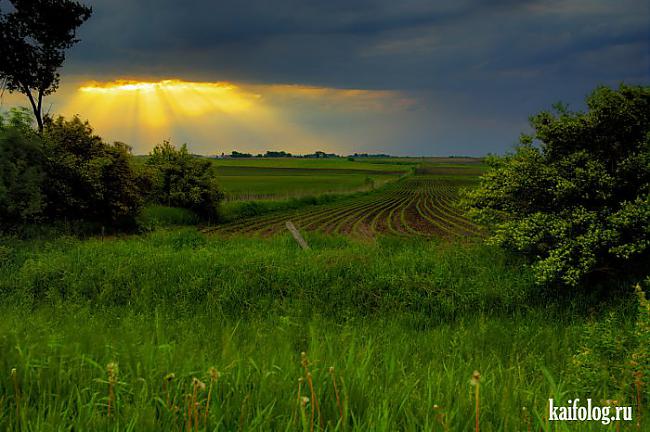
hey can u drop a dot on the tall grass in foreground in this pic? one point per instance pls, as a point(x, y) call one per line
point(239, 277)
point(176, 331)
point(389, 376)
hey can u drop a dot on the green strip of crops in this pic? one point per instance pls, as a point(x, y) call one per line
point(403, 324)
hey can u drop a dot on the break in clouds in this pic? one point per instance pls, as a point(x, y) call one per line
point(446, 77)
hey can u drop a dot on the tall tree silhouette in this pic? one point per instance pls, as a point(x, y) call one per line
point(34, 35)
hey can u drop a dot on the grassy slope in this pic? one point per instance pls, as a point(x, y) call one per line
point(404, 323)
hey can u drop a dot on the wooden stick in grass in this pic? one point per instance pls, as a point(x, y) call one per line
point(296, 235)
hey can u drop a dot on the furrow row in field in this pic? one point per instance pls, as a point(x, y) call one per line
point(313, 219)
point(259, 222)
point(363, 225)
point(452, 216)
point(412, 207)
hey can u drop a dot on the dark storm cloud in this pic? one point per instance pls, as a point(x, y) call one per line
point(497, 61)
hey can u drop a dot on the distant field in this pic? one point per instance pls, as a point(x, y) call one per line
point(250, 179)
point(426, 159)
point(245, 179)
point(424, 204)
point(256, 187)
point(418, 206)
point(281, 178)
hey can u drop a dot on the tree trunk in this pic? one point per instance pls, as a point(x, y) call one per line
point(39, 116)
point(36, 108)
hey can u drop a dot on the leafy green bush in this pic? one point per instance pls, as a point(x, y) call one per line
point(575, 195)
point(88, 179)
point(182, 180)
point(21, 177)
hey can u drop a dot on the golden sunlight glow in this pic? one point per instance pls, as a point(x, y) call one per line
point(149, 111)
point(215, 115)
point(193, 98)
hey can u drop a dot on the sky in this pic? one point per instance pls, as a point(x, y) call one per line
point(407, 77)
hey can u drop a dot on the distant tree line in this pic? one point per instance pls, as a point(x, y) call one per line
point(277, 154)
point(236, 154)
point(315, 155)
point(366, 155)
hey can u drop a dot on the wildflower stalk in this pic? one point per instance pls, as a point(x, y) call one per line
point(441, 417)
point(14, 378)
point(300, 380)
point(476, 382)
point(166, 382)
point(526, 418)
point(304, 400)
point(336, 392)
point(315, 407)
point(111, 370)
point(214, 377)
point(194, 405)
point(188, 417)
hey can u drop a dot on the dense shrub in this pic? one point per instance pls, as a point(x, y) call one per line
point(182, 180)
point(65, 173)
point(21, 177)
point(575, 195)
point(86, 178)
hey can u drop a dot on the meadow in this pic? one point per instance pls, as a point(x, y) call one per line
point(175, 291)
point(398, 317)
point(114, 334)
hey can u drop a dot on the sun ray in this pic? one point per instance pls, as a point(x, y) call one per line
point(214, 115)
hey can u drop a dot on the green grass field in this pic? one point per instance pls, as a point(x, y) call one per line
point(403, 324)
point(395, 305)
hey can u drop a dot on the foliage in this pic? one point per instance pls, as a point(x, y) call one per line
point(182, 180)
point(88, 179)
point(65, 173)
point(277, 154)
point(575, 195)
point(21, 174)
point(17, 118)
point(236, 154)
point(33, 40)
